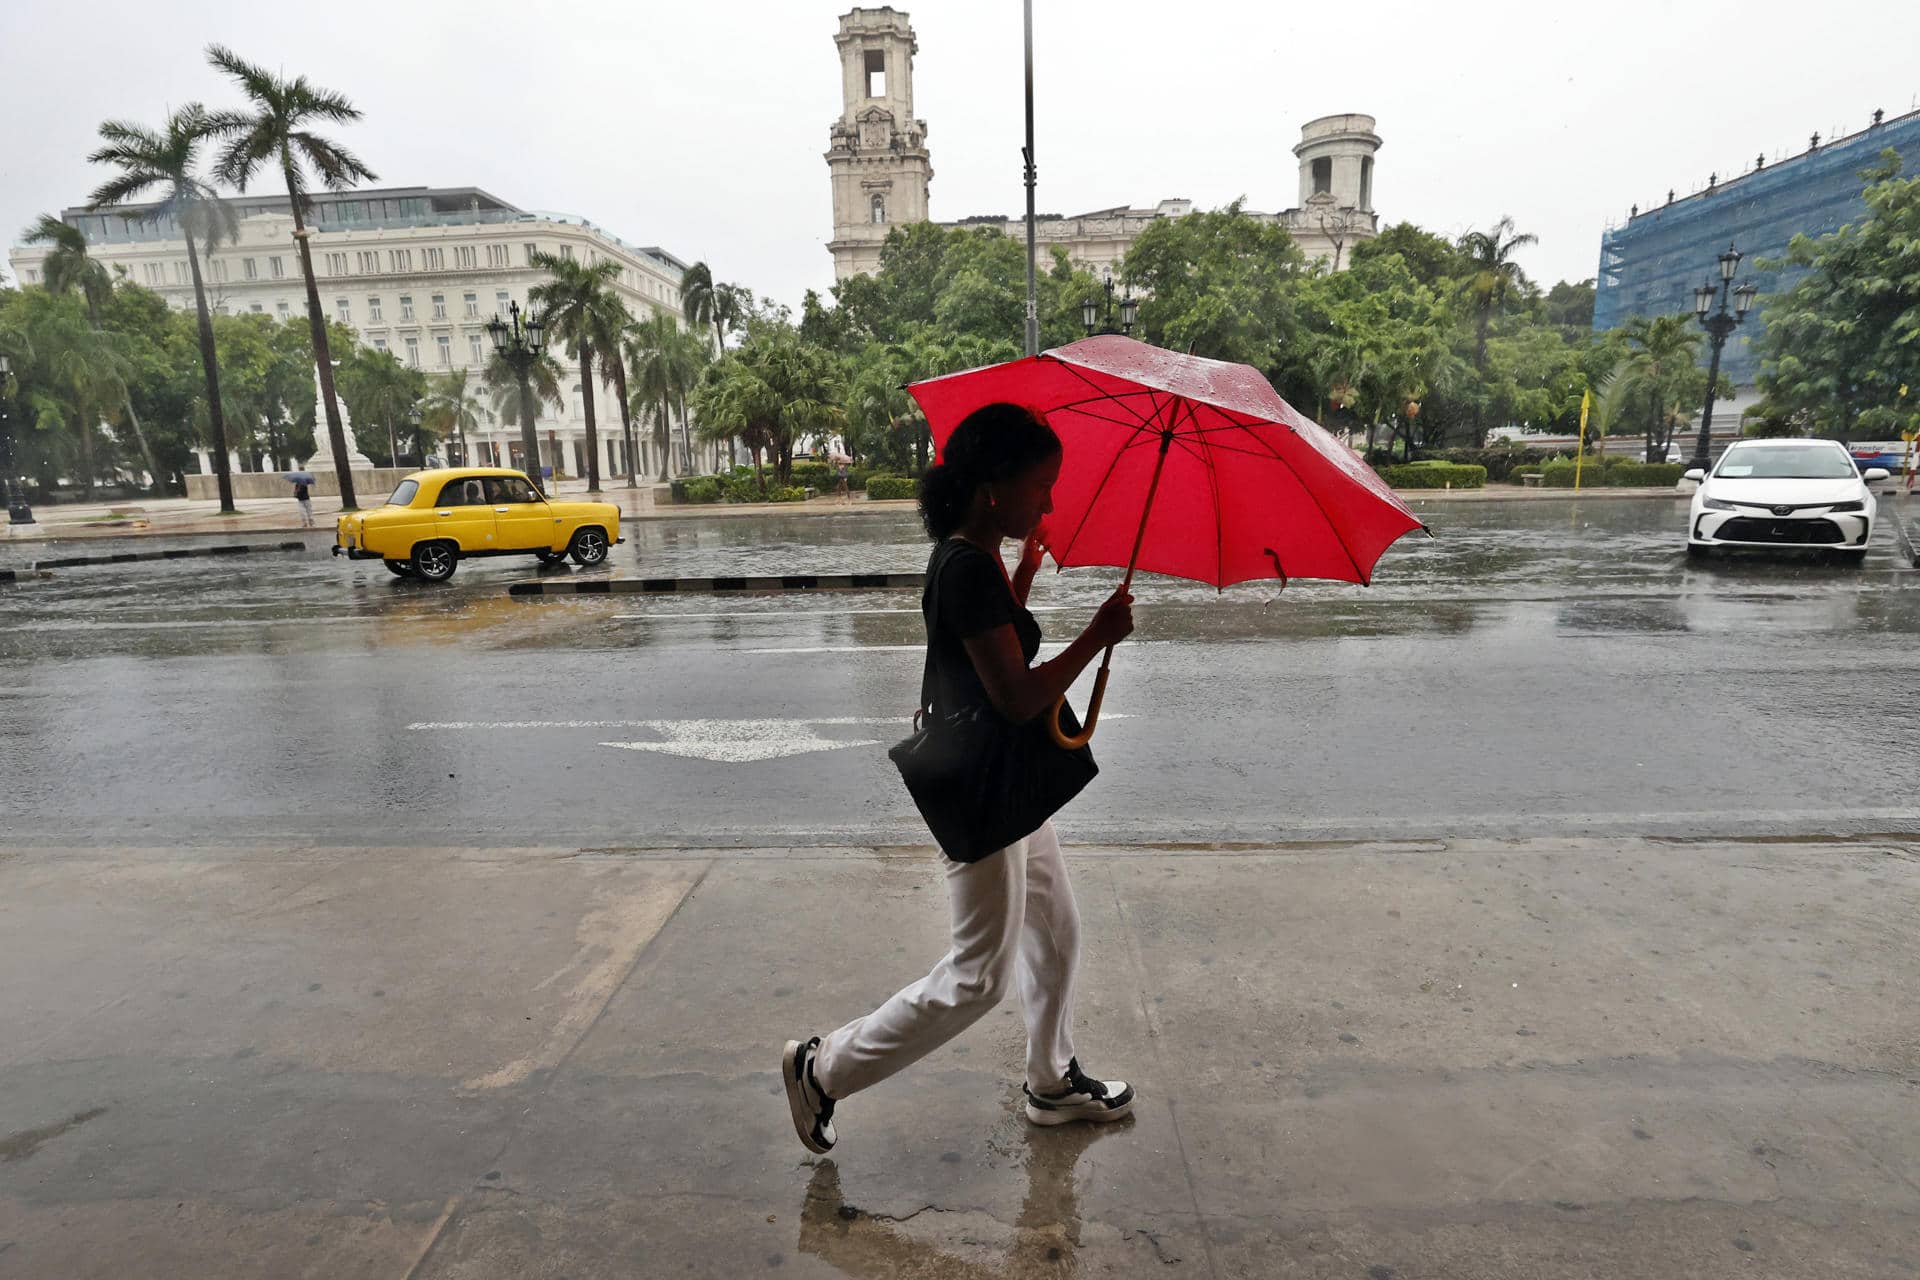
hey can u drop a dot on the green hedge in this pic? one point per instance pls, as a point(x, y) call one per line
point(701, 490)
point(1647, 475)
point(883, 488)
point(817, 474)
point(1434, 475)
point(787, 493)
point(1501, 462)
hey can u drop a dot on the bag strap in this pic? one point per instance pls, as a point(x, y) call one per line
point(925, 709)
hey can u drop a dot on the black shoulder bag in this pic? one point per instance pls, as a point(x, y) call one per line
point(980, 781)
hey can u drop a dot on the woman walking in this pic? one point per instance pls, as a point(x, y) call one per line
point(1015, 924)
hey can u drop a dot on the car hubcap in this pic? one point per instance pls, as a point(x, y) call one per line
point(433, 562)
point(592, 546)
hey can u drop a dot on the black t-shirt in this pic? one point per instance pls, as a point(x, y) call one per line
point(967, 593)
point(300, 493)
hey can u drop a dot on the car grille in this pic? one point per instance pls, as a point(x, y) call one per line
point(1803, 532)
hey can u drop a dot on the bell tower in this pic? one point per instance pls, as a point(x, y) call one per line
point(877, 152)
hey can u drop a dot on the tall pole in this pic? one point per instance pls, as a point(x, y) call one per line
point(1703, 447)
point(13, 496)
point(1033, 300)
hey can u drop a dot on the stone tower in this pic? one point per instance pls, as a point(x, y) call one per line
point(1336, 186)
point(877, 152)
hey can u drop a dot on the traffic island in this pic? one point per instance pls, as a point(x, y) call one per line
point(723, 586)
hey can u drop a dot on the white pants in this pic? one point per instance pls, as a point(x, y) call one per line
point(1014, 920)
point(306, 513)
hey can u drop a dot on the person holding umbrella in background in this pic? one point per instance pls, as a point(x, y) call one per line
point(1015, 923)
point(303, 495)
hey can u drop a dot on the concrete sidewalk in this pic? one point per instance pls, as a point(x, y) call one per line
point(1382, 1061)
point(174, 517)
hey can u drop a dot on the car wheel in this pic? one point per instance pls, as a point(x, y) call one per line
point(589, 547)
point(550, 557)
point(435, 561)
point(399, 568)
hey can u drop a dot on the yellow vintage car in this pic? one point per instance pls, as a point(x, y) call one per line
point(436, 519)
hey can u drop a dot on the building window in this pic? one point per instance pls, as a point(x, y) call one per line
point(277, 268)
point(413, 353)
point(369, 262)
point(336, 264)
point(876, 69)
point(399, 259)
point(497, 255)
point(29, 275)
point(445, 343)
point(373, 311)
point(250, 268)
point(436, 259)
point(464, 257)
point(566, 251)
point(345, 309)
point(878, 208)
point(180, 273)
point(531, 250)
point(1323, 176)
point(256, 308)
point(152, 269)
point(379, 344)
point(500, 303)
point(439, 306)
point(220, 270)
point(473, 305)
point(1366, 182)
point(406, 307)
point(280, 309)
point(473, 348)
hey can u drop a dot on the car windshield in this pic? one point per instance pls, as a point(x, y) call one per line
point(1789, 462)
point(404, 493)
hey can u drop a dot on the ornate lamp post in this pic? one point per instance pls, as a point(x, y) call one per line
point(1090, 313)
point(1718, 324)
point(18, 512)
point(520, 343)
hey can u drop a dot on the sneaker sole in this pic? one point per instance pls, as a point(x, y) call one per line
point(1101, 1115)
point(790, 1063)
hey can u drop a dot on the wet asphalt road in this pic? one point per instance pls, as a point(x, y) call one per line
point(1536, 669)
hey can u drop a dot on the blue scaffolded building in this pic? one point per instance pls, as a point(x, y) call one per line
point(1651, 265)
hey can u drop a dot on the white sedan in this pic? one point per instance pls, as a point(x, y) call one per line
point(1783, 493)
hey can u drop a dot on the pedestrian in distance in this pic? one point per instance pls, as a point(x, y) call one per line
point(302, 496)
point(841, 486)
point(1015, 924)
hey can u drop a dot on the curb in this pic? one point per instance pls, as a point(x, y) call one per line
point(175, 553)
point(1903, 534)
point(670, 586)
point(22, 575)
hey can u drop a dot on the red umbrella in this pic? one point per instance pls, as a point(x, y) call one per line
point(1185, 466)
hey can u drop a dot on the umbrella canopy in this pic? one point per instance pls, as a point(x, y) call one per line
point(299, 477)
point(1249, 486)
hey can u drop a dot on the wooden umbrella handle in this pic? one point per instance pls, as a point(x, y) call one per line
point(1081, 739)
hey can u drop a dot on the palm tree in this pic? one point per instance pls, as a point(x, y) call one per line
point(705, 303)
point(509, 406)
point(383, 389)
point(276, 131)
point(167, 160)
point(733, 401)
point(665, 362)
point(1660, 348)
point(609, 321)
point(453, 404)
point(69, 267)
point(580, 307)
point(1491, 276)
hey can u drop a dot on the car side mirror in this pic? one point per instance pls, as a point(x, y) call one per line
point(1874, 473)
point(1694, 474)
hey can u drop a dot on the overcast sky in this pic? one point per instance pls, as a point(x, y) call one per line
point(700, 127)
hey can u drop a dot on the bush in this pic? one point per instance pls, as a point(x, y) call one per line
point(1628, 474)
point(701, 490)
point(884, 488)
point(1500, 462)
point(817, 474)
point(1434, 474)
point(785, 493)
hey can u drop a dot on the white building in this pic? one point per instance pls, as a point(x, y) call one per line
point(880, 169)
point(414, 270)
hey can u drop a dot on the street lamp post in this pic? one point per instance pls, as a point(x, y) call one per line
point(1719, 324)
point(1092, 316)
point(520, 342)
point(18, 512)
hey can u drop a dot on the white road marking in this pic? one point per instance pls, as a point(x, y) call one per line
point(631, 724)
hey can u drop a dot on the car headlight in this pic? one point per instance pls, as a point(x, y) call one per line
point(1714, 504)
point(1848, 506)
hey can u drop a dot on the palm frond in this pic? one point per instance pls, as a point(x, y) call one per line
point(256, 81)
point(337, 167)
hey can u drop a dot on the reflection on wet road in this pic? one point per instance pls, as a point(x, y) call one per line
point(1535, 667)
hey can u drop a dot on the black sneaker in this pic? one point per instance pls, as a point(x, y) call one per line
point(1080, 1098)
point(812, 1109)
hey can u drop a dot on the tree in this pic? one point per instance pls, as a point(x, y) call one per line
point(1841, 349)
point(1491, 278)
point(453, 406)
point(664, 365)
point(1432, 260)
point(703, 301)
point(69, 266)
point(1661, 361)
point(733, 402)
point(168, 160)
point(278, 132)
point(511, 407)
point(581, 310)
point(1220, 284)
point(378, 388)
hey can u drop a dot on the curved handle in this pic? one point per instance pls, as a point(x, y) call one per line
point(1081, 739)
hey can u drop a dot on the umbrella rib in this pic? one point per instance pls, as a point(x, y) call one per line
point(1365, 578)
point(1219, 514)
point(1094, 498)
